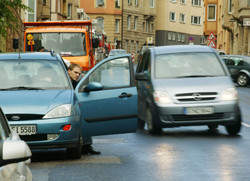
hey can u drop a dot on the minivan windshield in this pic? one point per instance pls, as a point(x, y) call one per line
point(65, 44)
point(32, 75)
point(179, 65)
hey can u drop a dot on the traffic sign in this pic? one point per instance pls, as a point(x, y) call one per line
point(212, 44)
point(211, 36)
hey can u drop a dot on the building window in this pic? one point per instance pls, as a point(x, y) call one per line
point(211, 13)
point(135, 22)
point(179, 37)
point(195, 20)
point(131, 46)
point(173, 36)
point(173, 1)
point(230, 6)
point(31, 15)
point(196, 2)
point(136, 46)
point(136, 2)
point(69, 11)
point(44, 2)
point(117, 3)
point(169, 35)
point(117, 25)
point(182, 37)
point(128, 21)
point(182, 18)
point(172, 16)
point(202, 39)
point(129, 2)
point(183, 1)
point(100, 3)
point(59, 6)
point(100, 23)
point(147, 26)
point(152, 27)
point(151, 3)
point(126, 45)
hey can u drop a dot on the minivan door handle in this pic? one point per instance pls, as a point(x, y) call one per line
point(124, 94)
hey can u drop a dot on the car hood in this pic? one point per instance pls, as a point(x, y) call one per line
point(33, 102)
point(189, 85)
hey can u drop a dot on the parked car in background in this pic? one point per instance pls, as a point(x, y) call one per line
point(14, 154)
point(185, 86)
point(239, 68)
point(114, 52)
point(43, 108)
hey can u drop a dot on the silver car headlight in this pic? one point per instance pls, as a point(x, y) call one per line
point(59, 111)
point(229, 94)
point(162, 97)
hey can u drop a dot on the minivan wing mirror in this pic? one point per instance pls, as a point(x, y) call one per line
point(13, 151)
point(93, 86)
point(141, 76)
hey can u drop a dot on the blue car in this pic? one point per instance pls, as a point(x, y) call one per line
point(43, 108)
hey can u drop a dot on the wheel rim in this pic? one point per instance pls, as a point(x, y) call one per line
point(242, 80)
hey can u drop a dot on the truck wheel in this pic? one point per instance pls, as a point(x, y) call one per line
point(152, 127)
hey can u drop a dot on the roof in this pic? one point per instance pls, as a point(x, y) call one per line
point(181, 48)
point(29, 55)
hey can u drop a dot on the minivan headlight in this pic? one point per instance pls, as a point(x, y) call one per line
point(59, 111)
point(162, 97)
point(229, 94)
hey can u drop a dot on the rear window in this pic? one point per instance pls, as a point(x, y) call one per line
point(187, 64)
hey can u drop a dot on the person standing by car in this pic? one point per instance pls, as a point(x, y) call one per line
point(74, 71)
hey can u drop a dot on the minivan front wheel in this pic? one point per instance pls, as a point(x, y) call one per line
point(243, 80)
point(235, 128)
point(152, 127)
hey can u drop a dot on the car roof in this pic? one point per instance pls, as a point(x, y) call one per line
point(118, 50)
point(181, 48)
point(29, 55)
point(246, 58)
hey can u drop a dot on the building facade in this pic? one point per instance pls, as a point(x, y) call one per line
point(179, 22)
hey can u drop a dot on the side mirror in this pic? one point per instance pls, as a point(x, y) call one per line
point(93, 86)
point(13, 151)
point(95, 42)
point(141, 76)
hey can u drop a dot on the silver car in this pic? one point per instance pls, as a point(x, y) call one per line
point(186, 85)
point(14, 154)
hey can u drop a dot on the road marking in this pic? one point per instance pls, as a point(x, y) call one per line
point(247, 125)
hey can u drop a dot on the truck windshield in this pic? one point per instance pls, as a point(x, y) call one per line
point(66, 44)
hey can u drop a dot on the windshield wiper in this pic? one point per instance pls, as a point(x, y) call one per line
point(22, 88)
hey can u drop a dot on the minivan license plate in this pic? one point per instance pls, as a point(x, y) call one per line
point(198, 110)
point(24, 129)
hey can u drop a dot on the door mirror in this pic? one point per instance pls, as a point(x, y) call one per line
point(93, 86)
point(14, 151)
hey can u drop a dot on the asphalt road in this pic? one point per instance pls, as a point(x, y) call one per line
point(185, 153)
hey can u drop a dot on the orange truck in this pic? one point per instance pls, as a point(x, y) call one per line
point(71, 39)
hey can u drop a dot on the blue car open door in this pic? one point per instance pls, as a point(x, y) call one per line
point(107, 98)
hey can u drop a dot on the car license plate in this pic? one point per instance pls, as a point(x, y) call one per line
point(24, 129)
point(198, 110)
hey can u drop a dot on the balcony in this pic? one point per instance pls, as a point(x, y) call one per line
point(244, 9)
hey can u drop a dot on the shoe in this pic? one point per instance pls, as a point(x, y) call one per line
point(88, 149)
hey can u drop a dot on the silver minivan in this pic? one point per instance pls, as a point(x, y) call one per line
point(186, 85)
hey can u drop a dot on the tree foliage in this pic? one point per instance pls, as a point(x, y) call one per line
point(9, 15)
